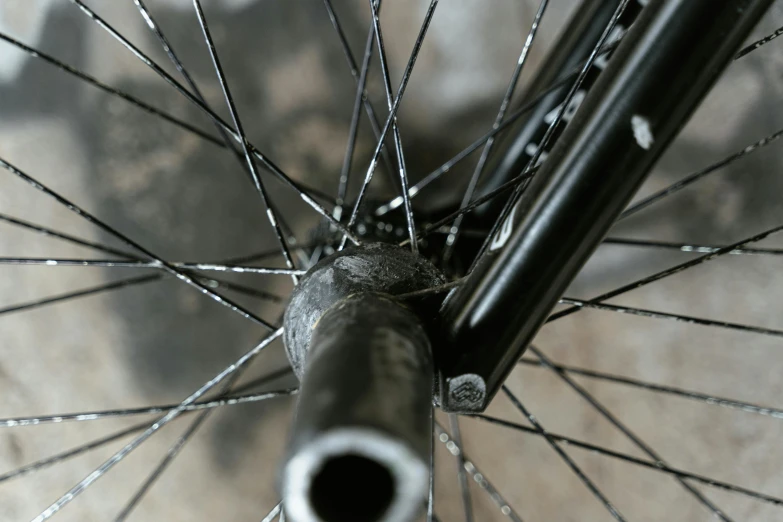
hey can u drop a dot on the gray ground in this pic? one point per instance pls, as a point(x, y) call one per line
point(187, 200)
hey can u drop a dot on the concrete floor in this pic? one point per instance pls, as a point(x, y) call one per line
point(157, 342)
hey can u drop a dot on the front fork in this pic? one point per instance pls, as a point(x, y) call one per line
point(659, 73)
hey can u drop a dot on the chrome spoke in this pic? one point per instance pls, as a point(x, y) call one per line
point(758, 43)
point(549, 134)
point(179, 274)
point(668, 272)
point(776, 413)
point(211, 282)
point(65, 237)
point(508, 121)
point(361, 99)
point(635, 460)
point(135, 281)
point(696, 176)
point(439, 289)
point(516, 181)
point(136, 442)
point(173, 451)
point(395, 128)
point(476, 474)
point(478, 171)
point(431, 491)
point(80, 75)
point(152, 24)
point(146, 410)
point(84, 448)
point(111, 263)
point(630, 435)
point(392, 112)
point(641, 312)
point(115, 285)
point(251, 163)
point(277, 510)
point(467, 504)
point(272, 167)
point(689, 247)
point(563, 455)
point(68, 454)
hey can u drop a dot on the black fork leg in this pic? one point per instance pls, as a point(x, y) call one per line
point(660, 72)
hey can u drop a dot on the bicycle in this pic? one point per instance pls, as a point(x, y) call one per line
point(468, 378)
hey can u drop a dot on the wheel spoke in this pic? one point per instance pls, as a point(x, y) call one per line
point(236, 261)
point(674, 317)
point(514, 116)
point(689, 247)
point(635, 460)
point(136, 442)
point(84, 448)
point(116, 285)
point(68, 454)
point(152, 24)
point(395, 128)
point(305, 192)
point(563, 455)
point(135, 281)
point(439, 289)
point(179, 274)
point(111, 263)
point(467, 504)
point(65, 237)
point(478, 477)
point(431, 489)
point(478, 171)
point(353, 132)
point(277, 510)
point(659, 388)
point(361, 99)
point(173, 451)
point(265, 254)
point(393, 111)
point(502, 189)
point(35, 53)
point(152, 410)
point(696, 176)
point(155, 28)
point(244, 290)
point(251, 164)
point(446, 167)
point(210, 113)
point(630, 435)
point(758, 43)
point(666, 273)
point(211, 282)
point(549, 134)
point(146, 410)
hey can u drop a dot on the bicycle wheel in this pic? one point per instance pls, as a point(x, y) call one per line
point(140, 336)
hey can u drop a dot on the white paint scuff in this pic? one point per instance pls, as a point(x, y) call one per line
point(642, 132)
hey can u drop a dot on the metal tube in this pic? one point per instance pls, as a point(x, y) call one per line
point(663, 67)
point(360, 445)
point(575, 43)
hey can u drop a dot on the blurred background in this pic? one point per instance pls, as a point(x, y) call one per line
point(186, 199)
